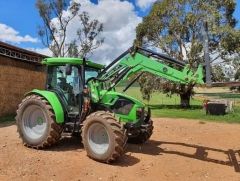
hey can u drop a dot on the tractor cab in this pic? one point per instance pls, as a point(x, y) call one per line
point(66, 77)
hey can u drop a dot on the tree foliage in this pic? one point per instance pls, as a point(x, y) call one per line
point(176, 27)
point(57, 16)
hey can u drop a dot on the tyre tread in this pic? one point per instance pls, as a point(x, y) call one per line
point(118, 131)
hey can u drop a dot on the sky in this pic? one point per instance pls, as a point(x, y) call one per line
point(19, 20)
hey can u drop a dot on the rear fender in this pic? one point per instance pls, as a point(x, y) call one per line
point(53, 100)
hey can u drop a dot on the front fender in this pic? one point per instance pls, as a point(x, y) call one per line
point(52, 98)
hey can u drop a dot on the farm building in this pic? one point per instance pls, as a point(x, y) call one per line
point(20, 71)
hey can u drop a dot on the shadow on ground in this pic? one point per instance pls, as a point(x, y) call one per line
point(153, 147)
point(68, 143)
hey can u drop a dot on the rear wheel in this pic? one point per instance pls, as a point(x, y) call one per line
point(36, 123)
point(144, 134)
point(104, 137)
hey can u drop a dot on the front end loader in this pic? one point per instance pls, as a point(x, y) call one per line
point(80, 98)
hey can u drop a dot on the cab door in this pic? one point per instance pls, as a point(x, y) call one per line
point(65, 81)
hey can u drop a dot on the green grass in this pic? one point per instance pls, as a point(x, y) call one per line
point(165, 106)
point(195, 113)
point(7, 120)
point(158, 98)
point(222, 95)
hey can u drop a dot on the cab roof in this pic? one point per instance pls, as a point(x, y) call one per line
point(72, 61)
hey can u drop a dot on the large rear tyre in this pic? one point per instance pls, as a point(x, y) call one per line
point(144, 134)
point(36, 123)
point(103, 136)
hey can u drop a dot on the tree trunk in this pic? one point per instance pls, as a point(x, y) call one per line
point(185, 100)
point(185, 97)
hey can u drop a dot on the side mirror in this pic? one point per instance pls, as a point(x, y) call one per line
point(68, 69)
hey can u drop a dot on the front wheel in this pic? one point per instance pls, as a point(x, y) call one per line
point(103, 136)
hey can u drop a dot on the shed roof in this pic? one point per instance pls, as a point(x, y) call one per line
point(20, 54)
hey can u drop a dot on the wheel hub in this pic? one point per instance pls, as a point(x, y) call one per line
point(34, 122)
point(98, 138)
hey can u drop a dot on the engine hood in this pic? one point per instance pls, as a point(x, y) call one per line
point(109, 96)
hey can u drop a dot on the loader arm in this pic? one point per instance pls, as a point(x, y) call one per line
point(138, 60)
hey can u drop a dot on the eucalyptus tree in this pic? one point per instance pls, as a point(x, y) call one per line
point(177, 28)
point(57, 15)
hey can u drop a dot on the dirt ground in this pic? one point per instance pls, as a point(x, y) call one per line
point(178, 150)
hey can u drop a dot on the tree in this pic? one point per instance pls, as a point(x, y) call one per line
point(57, 16)
point(237, 75)
point(218, 74)
point(176, 27)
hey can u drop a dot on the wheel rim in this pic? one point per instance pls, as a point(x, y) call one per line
point(34, 122)
point(98, 138)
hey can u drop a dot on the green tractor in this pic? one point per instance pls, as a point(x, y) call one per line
point(80, 98)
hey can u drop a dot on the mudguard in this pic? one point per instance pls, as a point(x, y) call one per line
point(52, 98)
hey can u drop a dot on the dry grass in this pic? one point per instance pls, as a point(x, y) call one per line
point(212, 90)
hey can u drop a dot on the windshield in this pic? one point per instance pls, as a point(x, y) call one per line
point(90, 72)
